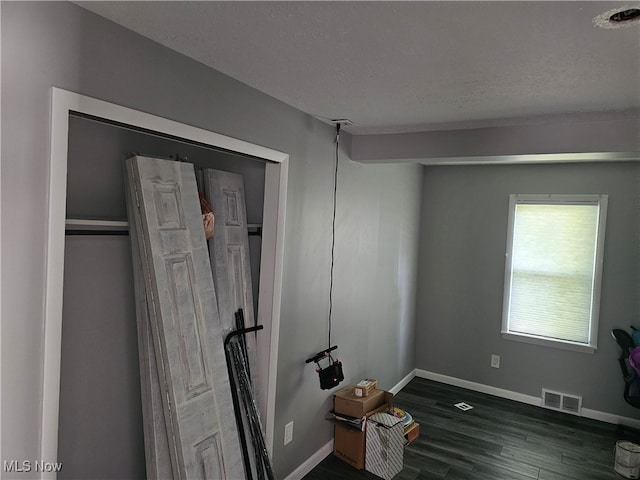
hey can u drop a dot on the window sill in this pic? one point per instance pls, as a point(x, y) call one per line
point(545, 342)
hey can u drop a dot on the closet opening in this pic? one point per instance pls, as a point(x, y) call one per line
point(91, 373)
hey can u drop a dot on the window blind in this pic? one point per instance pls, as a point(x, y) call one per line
point(552, 273)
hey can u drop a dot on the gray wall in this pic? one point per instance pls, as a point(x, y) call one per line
point(461, 279)
point(59, 44)
point(377, 226)
point(100, 434)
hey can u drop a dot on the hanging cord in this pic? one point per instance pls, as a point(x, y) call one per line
point(333, 230)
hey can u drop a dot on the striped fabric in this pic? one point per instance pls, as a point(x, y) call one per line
point(385, 445)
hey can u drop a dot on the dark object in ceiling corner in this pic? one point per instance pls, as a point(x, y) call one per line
point(628, 15)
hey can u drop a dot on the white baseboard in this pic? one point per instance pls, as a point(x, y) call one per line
point(611, 418)
point(520, 397)
point(311, 462)
point(403, 383)
point(478, 387)
point(321, 454)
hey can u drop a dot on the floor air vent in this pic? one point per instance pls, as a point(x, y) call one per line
point(562, 402)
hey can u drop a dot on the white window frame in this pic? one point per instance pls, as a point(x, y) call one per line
point(548, 199)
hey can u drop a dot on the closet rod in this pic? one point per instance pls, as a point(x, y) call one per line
point(85, 226)
point(254, 229)
point(96, 232)
point(81, 226)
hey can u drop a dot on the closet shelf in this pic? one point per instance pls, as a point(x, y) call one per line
point(92, 226)
point(91, 223)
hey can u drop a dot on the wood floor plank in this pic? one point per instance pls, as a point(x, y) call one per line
point(498, 439)
point(532, 456)
point(469, 424)
point(420, 458)
point(578, 474)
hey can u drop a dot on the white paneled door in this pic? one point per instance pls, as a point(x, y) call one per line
point(186, 331)
point(230, 246)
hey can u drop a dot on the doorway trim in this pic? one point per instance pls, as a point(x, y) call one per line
point(63, 103)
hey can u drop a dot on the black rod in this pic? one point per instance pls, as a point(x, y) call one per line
point(243, 342)
point(96, 232)
point(260, 449)
point(234, 395)
point(242, 331)
point(320, 355)
point(237, 414)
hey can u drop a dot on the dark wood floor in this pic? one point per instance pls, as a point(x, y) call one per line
point(498, 440)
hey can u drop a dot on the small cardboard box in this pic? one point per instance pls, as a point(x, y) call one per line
point(385, 446)
point(412, 432)
point(349, 443)
point(346, 402)
point(365, 387)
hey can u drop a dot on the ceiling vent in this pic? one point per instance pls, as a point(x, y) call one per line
point(562, 402)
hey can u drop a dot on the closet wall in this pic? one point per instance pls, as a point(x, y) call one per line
point(100, 433)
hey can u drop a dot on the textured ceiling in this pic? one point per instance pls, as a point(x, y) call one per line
point(408, 66)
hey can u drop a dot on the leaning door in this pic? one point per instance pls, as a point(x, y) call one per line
point(185, 325)
point(230, 246)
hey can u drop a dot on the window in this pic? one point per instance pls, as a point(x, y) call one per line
point(553, 270)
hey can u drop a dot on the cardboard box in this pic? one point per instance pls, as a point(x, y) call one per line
point(346, 402)
point(412, 432)
point(385, 446)
point(349, 443)
point(365, 387)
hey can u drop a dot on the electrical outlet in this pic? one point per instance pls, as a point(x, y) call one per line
point(288, 433)
point(495, 361)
